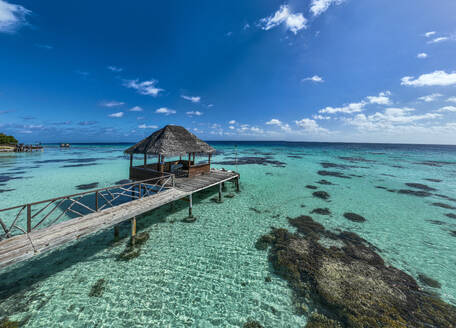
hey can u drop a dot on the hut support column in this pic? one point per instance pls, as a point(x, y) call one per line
point(133, 230)
point(162, 164)
point(131, 160)
point(116, 232)
point(237, 184)
point(220, 193)
point(190, 206)
point(145, 160)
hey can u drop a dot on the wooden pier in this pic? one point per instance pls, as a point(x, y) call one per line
point(42, 226)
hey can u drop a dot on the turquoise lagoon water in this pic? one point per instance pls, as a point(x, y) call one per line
point(208, 273)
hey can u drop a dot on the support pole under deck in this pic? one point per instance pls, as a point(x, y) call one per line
point(133, 230)
point(190, 206)
point(220, 193)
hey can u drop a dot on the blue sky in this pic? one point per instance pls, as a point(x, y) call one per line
point(315, 70)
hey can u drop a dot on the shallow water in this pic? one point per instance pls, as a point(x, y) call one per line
point(208, 273)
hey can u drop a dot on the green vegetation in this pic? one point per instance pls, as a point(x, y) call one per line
point(7, 140)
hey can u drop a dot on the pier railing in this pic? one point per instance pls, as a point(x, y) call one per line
point(26, 218)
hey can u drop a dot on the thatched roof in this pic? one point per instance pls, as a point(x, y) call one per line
point(172, 140)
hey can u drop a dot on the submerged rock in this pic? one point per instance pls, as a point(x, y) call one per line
point(311, 187)
point(451, 215)
point(418, 193)
point(428, 281)
point(124, 181)
point(264, 241)
point(321, 211)
point(354, 217)
point(442, 205)
point(420, 186)
point(252, 324)
point(351, 284)
point(433, 180)
point(325, 182)
point(98, 288)
point(317, 320)
point(333, 174)
point(321, 194)
point(87, 186)
point(6, 323)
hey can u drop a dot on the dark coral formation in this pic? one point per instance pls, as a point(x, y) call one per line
point(333, 174)
point(433, 180)
point(98, 288)
point(321, 194)
point(325, 182)
point(420, 186)
point(133, 247)
point(252, 324)
point(418, 193)
point(124, 181)
point(354, 217)
point(248, 160)
point(6, 323)
point(443, 205)
point(321, 211)
point(311, 187)
point(351, 285)
point(87, 186)
point(451, 215)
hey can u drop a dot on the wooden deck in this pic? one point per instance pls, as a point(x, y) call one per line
point(22, 247)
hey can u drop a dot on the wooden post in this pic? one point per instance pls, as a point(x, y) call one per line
point(145, 160)
point(220, 193)
point(131, 160)
point(116, 232)
point(96, 201)
point(133, 230)
point(140, 190)
point(237, 184)
point(162, 164)
point(209, 160)
point(190, 205)
point(194, 158)
point(189, 160)
point(29, 218)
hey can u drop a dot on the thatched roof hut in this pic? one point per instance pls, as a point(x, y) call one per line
point(172, 140)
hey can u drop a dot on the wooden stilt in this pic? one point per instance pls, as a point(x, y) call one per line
point(220, 193)
point(190, 206)
point(133, 230)
point(237, 184)
point(116, 232)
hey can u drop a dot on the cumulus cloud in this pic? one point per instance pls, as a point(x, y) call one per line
point(430, 98)
point(439, 39)
point(310, 126)
point(117, 115)
point(166, 111)
point(314, 78)
point(232, 122)
point(388, 119)
point(194, 113)
point(136, 109)
point(320, 117)
point(280, 124)
point(115, 69)
point(452, 99)
point(422, 55)
point(381, 99)
point(12, 16)
point(293, 21)
point(147, 88)
point(317, 7)
point(447, 109)
point(112, 103)
point(194, 99)
point(145, 126)
point(437, 78)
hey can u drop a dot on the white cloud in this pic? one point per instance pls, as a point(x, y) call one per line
point(210, 105)
point(310, 126)
point(231, 127)
point(112, 103)
point(437, 78)
point(439, 39)
point(232, 122)
point(136, 109)
point(166, 111)
point(145, 126)
point(147, 88)
point(283, 126)
point(356, 107)
point(12, 16)
point(430, 98)
point(192, 99)
point(115, 69)
point(116, 115)
point(422, 55)
point(293, 21)
point(381, 99)
point(314, 78)
point(452, 99)
point(321, 117)
point(318, 7)
point(429, 34)
point(196, 113)
point(447, 109)
point(388, 119)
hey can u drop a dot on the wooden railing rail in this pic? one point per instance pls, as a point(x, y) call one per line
point(76, 205)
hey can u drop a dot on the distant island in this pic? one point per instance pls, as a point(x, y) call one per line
point(7, 143)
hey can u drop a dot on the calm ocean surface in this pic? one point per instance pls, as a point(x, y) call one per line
point(209, 273)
